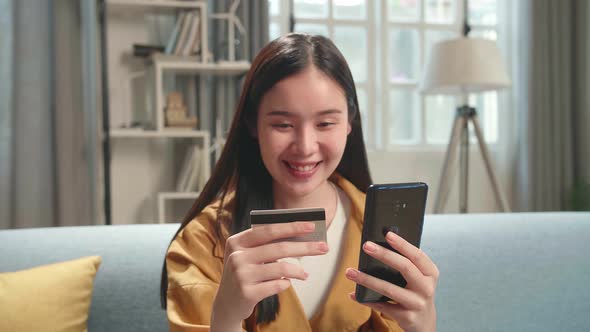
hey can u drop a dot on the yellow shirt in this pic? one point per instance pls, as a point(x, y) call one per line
point(195, 264)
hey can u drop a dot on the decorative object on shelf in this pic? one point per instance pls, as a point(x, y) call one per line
point(458, 67)
point(233, 21)
point(176, 115)
point(144, 50)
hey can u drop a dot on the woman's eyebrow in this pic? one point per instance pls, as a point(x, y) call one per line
point(330, 111)
point(280, 113)
point(291, 114)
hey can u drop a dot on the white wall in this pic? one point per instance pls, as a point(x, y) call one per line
point(426, 166)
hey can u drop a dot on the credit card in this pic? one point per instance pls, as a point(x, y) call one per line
point(279, 216)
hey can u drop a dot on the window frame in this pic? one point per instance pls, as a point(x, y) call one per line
point(368, 86)
point(378, 86)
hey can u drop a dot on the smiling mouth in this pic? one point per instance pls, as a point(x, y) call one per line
point(302, 168)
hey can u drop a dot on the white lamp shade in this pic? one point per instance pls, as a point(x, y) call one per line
point(464, 65)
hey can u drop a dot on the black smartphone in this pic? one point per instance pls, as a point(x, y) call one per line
point(398, 208)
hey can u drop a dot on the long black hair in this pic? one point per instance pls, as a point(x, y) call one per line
point(240, 166)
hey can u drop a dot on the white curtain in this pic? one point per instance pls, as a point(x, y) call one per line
point(6, 114)
point(581, 198)
point(45, 179)
point(547, 149)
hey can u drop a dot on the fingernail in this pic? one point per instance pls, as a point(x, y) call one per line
point(285, 285)
point(370, 246)
point(352, 273)
point(305, 274)
point(390, 236)
point(309, 226)
point(323, 247)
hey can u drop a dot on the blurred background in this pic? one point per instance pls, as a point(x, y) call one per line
point(114, 111)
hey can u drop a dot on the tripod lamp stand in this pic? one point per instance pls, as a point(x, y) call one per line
point(459, 67)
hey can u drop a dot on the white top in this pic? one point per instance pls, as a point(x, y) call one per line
point(322, 269)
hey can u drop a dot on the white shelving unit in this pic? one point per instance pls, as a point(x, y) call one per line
point(205, 137)
point(132, 143)
point(156, 3)
point(170, 63)
point(165, 196)
point(200, 5)
point(190, 64)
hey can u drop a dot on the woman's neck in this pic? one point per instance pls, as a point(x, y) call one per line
point(325, 196)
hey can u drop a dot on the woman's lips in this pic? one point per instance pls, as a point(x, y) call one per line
point(302, 170)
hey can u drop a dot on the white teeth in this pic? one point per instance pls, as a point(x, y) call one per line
point(302, 168)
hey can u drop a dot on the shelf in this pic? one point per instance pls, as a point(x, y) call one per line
point(178, 195)
point(155, 3)
point(140, 133)
point(194, 64)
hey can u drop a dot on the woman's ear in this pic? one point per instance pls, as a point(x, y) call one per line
point(349, 129)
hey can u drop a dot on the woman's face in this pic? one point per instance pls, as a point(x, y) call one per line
point(301, 128)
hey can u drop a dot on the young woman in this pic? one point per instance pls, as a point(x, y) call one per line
point(295, 141)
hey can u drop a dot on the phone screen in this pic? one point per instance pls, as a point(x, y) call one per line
point(390, 207)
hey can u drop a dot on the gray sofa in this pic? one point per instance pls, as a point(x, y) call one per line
point(499, 272)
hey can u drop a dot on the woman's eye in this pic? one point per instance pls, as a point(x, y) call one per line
point(325, 124)
point(281, 125)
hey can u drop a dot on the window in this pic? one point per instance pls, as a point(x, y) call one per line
point(349, 24)
point(386, 43)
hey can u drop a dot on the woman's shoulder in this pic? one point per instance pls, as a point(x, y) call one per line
point(195, 255)
point(210, 225)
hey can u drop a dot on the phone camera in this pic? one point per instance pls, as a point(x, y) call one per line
point(400, 205)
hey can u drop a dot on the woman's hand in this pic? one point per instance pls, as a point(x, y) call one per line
point(251, 271)
point(414, 309)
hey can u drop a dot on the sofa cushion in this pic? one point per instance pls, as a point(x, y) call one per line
point(126, 289)
point(54, 297)
point(511, 271)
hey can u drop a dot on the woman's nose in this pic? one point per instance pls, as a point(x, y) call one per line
point(306, 140)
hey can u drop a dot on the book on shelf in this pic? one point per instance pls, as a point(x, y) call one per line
point(189, 176)
point(193, 183)
point(171, 45)
point(203, 177)
point(185, 39)
point(193, 36)
point(196, 44)
point(185, 169)
point(184, 30)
